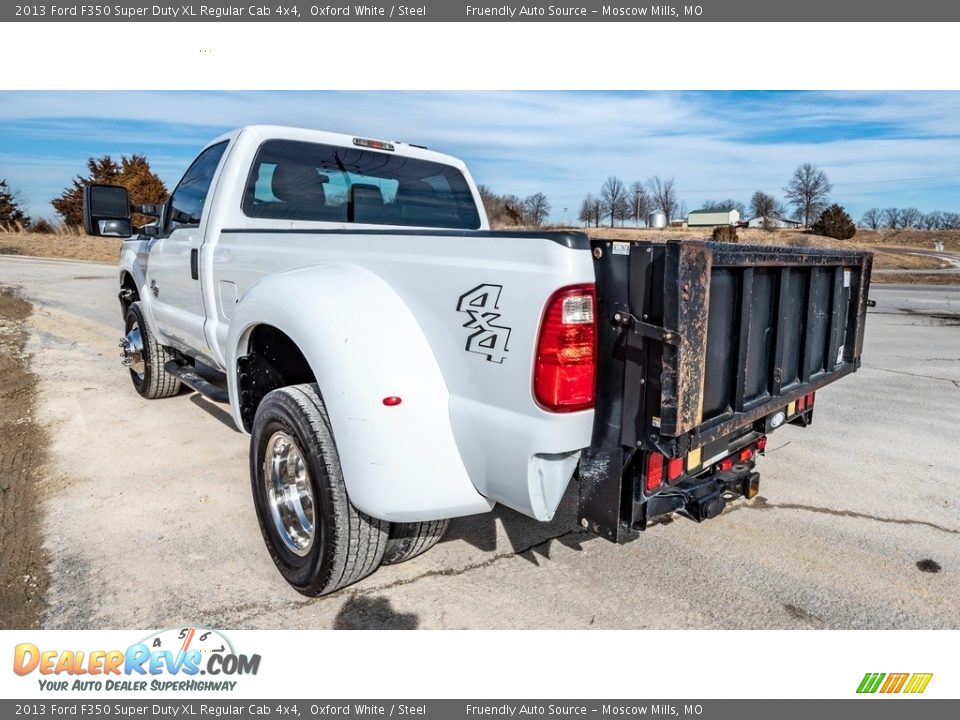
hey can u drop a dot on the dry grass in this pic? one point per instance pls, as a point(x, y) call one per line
point(914, 239)
point(916, 279)
point(60, 245)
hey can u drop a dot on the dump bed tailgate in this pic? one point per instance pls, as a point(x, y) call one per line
point(699, 341)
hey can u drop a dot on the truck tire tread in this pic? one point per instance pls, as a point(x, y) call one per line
point(357, 541)
point(408, 540)
point(157, 383)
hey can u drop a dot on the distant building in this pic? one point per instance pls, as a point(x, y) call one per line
point(712, 218)
point(678, 223)
point(774, 221)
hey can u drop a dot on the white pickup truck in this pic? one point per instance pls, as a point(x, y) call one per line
point(397, 363)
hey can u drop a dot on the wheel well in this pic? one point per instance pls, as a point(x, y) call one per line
point(128, 292)
point(272, 361)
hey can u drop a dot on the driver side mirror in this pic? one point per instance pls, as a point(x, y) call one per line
point(106, 211)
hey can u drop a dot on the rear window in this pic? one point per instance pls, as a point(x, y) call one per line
point(293, 180)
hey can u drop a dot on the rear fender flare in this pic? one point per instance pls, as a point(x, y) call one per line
point(363, 344)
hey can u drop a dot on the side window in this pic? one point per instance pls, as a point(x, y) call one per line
point(186, 203)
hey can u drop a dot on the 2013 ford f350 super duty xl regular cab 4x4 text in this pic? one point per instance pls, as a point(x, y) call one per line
point(397, 363)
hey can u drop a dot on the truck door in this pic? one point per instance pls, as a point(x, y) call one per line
point(173, 276)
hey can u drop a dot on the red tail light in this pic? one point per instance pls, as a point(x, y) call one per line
point(566, 365)
point(809, 399)
point(726, 464)
point(801, 404)
point(762, 444)
point(654, 471)
point(674, 469)
point(746, 454)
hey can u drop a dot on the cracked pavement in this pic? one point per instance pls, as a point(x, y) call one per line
point(148, 504)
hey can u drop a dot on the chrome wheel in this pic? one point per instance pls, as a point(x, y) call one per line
point(289, 493)
point(132, 346)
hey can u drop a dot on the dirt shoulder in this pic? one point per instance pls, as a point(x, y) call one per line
point(66, 247)
point(23, 562)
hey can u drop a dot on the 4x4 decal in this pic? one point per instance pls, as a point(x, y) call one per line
point(481, 305)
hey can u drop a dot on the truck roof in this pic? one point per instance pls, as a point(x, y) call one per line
point(283, 132)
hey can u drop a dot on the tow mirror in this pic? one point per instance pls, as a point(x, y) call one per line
point(106, 211)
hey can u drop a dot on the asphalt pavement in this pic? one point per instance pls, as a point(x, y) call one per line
point(149, 520)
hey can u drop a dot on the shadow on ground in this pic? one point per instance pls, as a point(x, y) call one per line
point(373, 613)
point(505, 531)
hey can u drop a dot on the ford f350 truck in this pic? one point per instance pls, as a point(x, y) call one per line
point(396, 363)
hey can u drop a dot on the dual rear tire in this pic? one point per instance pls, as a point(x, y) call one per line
point(318, 540)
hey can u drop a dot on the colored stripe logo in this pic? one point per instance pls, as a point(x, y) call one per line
point(913, 683)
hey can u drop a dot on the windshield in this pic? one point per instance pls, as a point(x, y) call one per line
point(294, 180)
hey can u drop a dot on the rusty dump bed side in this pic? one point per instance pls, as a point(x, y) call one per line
point(700, 341)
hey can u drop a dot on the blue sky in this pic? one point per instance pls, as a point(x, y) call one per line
point(878, 148)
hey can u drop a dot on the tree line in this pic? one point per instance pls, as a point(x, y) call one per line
point(808, 191)
point(909, 219)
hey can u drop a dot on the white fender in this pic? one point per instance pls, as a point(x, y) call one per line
point(400, 463)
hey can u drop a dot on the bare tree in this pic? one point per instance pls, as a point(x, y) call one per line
point(808, 191)
point(623, 209)
point(951, 221)
point(910, 217)
point(536, 207)
point(640, 203)
point(891, 218)
point(767, 207)
point(724, 205)
point(612, 196)
point(663, 196)
point(872, 219)
point(933, 220)
point(590, 212)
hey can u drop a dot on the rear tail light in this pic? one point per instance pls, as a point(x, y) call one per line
point(654, 471)
point(746, 454)
point(801, 404)
point(809, 399)
point(566, 364)
point(762, 444)
point(726, 464)
point(674, 469)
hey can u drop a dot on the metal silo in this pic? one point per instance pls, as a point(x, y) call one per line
point(657, 219)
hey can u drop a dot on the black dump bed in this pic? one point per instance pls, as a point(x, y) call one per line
point(700, 341)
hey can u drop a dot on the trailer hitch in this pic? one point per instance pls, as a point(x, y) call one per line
point(625, 320)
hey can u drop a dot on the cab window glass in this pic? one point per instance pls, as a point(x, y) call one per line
point(187, 201)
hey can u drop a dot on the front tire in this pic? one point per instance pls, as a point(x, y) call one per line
point(318, 540)
point(146, 358)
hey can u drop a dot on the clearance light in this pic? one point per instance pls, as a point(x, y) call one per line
point(726, 464)
point(654, 471)
point(762, 444)
point(746, 454)
point(674, 469)
point(566, 361)
point(374, 144)
point(392, 401)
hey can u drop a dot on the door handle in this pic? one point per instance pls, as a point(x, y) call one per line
point(195, 263)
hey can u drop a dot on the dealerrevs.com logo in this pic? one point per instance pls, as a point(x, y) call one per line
point(169, 660)
point(910, 683)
